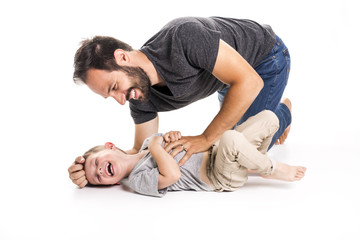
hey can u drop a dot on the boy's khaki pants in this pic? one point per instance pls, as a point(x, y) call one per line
point(242, 149)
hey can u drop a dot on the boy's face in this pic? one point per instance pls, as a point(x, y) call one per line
point(103, 167)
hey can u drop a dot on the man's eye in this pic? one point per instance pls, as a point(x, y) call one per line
point(98, 177)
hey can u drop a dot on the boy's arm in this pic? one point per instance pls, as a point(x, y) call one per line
point(169, 170)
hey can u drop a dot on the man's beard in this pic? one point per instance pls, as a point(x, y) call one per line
point(139, 80)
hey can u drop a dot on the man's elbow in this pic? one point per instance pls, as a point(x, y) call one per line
point(252, 83)
point(259, 83)
point(132, 151)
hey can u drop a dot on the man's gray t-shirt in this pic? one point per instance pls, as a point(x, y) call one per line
point(184, 52)
point(143, 178)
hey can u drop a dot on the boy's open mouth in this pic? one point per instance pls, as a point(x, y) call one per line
point(109, 169)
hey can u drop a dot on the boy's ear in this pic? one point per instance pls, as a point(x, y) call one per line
point(109, 145)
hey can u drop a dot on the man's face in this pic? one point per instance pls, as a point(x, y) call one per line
point(122, 86)
point(103, 168)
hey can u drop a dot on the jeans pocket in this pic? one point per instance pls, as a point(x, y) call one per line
point(267, 59)
point(288, 61)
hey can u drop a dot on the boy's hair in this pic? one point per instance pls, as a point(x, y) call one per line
point(93, 150)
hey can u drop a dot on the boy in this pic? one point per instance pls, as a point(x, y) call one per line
point(152, 171)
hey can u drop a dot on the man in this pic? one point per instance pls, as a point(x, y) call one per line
point(187, 60)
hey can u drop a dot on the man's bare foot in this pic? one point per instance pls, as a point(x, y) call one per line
point(285, 134)
point(286, 172)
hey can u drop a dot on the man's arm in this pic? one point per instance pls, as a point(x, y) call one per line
point(245, 84)
point(169, 170)
point(143, 131)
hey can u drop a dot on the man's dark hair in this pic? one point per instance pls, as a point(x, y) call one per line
point(98, 53)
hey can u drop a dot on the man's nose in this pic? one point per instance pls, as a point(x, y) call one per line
point(120, 98)
point(100, 171)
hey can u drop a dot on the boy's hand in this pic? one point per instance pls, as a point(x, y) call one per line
point(171, 136)
point(155, 140)
point(76, 172)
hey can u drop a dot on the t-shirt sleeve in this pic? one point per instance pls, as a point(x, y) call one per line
point(200, 44)
point(146, 182)
point(140, 116)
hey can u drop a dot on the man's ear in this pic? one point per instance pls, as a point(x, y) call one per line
point(109, 145)
point(121, 57)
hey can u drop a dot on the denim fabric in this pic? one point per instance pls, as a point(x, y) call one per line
point(274, 69)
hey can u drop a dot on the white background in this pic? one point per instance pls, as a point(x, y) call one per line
point(46, 121)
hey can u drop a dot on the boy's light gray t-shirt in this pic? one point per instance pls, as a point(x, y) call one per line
point(143, 178)
point(184, 53)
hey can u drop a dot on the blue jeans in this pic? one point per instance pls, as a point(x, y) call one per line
point(274, 70)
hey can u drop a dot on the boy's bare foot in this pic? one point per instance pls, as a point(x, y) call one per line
point(283, 137)
point(287, 173)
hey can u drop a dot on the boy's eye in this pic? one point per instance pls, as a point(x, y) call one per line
point(114, 88)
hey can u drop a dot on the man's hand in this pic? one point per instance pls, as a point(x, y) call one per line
point(191, 144)
point(76, 172)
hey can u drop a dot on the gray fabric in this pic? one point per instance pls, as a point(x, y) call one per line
point(184, 53)
point(143, 178)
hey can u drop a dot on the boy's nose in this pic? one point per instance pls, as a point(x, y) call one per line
point(100, 172)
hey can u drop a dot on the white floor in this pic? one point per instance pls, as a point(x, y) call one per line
point(46, 121)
